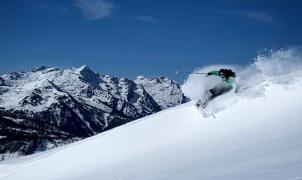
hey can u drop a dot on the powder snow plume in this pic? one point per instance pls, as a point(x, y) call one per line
point(266, 66)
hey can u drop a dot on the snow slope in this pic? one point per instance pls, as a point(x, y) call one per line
point(257, 137)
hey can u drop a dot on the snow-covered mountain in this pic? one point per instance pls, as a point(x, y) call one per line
point(255, 135)
point(167, 93)
point(46, 107)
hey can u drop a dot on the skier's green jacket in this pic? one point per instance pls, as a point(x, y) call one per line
point(228, 81)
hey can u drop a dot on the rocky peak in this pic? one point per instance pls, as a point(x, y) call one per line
point(87, 75)
point(167, 93)
point(14, 75)
point(39, 68)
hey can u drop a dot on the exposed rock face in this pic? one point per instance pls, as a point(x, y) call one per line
point(46, 107)
point(167, 93)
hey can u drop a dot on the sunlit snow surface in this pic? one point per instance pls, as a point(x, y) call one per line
point(256, 135)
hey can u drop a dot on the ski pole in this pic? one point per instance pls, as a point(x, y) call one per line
point(186, 72)
point(252, 85)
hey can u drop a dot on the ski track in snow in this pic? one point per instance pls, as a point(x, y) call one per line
point(253, 138)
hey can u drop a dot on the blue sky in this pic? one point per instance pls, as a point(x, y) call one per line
point(149, 37)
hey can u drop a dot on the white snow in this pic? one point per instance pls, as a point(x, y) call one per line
point(256, 135)
point(256, 138)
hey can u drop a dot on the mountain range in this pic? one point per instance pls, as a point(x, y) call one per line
point(46, 107)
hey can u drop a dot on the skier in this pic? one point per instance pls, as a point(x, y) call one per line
point(228, 83)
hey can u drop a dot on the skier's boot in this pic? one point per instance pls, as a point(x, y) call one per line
point(199, 103)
